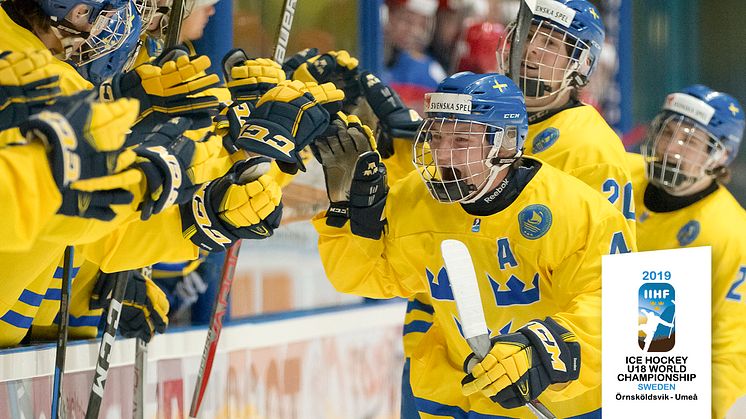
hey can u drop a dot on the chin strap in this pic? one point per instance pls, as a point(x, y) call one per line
point(497, 165)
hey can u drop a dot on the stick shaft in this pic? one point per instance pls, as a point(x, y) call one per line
point(216, 326)
point(283, 33)
point(141, 363)
point(58, 408)
point(107, 344)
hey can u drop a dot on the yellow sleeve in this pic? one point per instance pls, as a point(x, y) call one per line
point(143, 243)
point(577, 285)
point(728, 325)
point(365, 267)
point(29, 197)
point(399, 164)
point(614, 182)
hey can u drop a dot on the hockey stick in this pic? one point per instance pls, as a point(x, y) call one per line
point(141, 362)
point(58, 401)
point(175, 17)
point(283, 33)
point(107, 343)
point(219, 309)
point(520, 33)
point(463, 281)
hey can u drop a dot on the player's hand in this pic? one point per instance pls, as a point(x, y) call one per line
point(144, 307)
point(297, 59)
point(355, 177)
point(521, 365)
point(248, 79)
point(164, 158)
point(84, 142)
point(286, 119)
point(395, 119)
point(170, 86)
point(243, 204)
point(337, 67)
point(26, 85)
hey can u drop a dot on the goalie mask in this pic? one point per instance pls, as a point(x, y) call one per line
point(88, 29)
point(562, 50)
point(475, 127)
point(119, 61)
point(696, 135)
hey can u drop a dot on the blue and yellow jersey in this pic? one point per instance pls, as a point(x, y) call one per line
point(540, 256)
point(719, 221)
point(578, 142)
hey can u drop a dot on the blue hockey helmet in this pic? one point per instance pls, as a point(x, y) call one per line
point(475, 126)
point(58, 10)
point(696, 134)
point(89, 29)
point(118, 61)
point(562, 50)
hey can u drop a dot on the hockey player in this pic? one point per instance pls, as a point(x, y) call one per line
point(682, 202)
point(536, 235)
point(560, 55)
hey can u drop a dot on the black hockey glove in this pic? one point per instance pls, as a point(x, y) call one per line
point(395, 119)
point(355, 177)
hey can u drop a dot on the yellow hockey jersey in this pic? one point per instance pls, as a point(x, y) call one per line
point(719, 221)
point(31, 287)
point(576, 141)
point(541, 256)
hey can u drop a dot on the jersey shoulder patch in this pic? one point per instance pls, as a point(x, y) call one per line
point(545, 139)
point(534, 221)
point(688, 233)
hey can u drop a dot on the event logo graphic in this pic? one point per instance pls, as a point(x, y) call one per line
point(656, 317)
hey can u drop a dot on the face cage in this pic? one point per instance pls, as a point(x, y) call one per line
point(547, 72)
point(454, 174)
point(147, 10)
point(110, 30)
point(677, 154)
point(162, 15)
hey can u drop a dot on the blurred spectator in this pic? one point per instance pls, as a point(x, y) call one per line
point(407, 33)
point(478, 46)
point(452, 18)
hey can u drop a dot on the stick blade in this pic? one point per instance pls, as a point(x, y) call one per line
point(463, 281)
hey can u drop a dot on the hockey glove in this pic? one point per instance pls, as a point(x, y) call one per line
point(248, 79)
point(243, 204)
point(164, 157)
point(84, 143)
point(395, 120)
point(26, 85)
point(144, 307)
point(521, 365)
point(296, 60)
point(287, 118)
point(336, 67)
point(169, 87)
point(355, 177)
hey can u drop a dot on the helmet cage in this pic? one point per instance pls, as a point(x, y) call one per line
point(539, 78)
point(461, 172)
point(109, 31)
point(679, 152)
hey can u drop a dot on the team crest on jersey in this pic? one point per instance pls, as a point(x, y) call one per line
point(534, 221)
point(656, 317)
point(545, 139)
point(688, 233)
point(476, 225)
